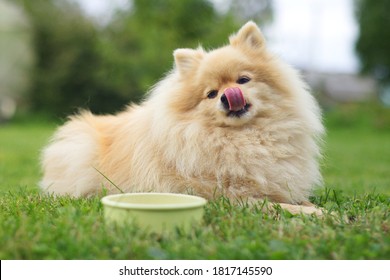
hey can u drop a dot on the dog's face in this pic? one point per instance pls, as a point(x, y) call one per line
point(230, 86)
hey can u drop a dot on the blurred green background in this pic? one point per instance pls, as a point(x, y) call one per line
point(55, 58)
point(71, 60)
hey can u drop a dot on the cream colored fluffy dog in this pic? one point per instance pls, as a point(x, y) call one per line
point(235, 121)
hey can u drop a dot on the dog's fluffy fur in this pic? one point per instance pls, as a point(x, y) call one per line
point(182, 140)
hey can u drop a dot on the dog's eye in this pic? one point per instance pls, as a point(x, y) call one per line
point(212, 94)
point(243, 80)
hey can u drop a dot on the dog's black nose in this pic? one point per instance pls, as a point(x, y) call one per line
point(225, 101)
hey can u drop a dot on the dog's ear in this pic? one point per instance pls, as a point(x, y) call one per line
point(186, 60)
point(248, 36)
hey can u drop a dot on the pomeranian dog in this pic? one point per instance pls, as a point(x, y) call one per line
point(235, 121)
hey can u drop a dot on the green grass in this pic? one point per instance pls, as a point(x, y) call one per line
point(357, 188)
point(20, 146)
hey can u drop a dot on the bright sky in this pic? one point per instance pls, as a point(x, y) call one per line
point(315, 34)
point(312, 34)
point(101, 8)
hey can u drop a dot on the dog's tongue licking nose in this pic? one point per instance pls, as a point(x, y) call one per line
point(235, 98)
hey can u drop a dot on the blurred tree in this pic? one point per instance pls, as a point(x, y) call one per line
point(16, 56)
point(65, 43)
point(373, 44)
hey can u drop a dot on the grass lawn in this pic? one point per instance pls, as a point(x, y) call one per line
point(356, 171)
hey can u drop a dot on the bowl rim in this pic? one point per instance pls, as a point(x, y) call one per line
point(199, 202)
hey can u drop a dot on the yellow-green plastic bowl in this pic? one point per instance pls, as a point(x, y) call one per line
point(156, 212)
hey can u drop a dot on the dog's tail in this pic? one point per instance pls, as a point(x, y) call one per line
point(68, 160)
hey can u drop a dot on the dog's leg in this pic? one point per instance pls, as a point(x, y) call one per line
point(306, 208)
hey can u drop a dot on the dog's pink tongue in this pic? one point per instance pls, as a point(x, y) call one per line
point(235, 98)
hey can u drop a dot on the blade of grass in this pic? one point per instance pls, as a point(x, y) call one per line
point(108, 179)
